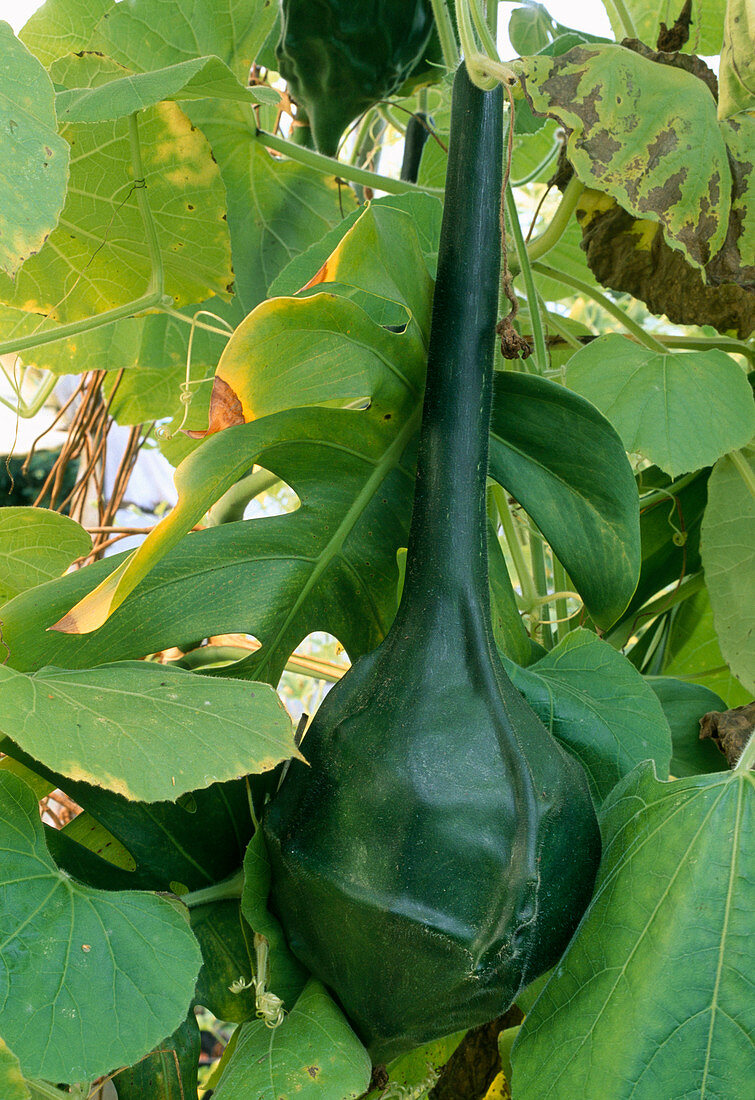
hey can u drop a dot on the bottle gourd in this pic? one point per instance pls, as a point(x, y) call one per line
point(438, 852)
point(339, 58)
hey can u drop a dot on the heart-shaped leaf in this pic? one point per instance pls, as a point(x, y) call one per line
point(90, 980)
point(144, 730)
point(680, 410)
point(599, 707)
point(36, 545)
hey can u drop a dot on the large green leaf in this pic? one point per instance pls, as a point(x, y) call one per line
point(684, 705)
point(728, 553)
point(97, 257)
point(91, 980)
point(276, 208)
point(167, 1073)
point(652, 997)
point(736, 87)
point(634, 125)
point(151, 34)
point(60, 27)
point(34, 167)
point(680, 410)
point(12, 1085)
point(143, 730)
point(198, 78)
point(647, 15)
point(566, 466)
point(35, 545)
point(313, 1055)
point(599, 707)
point(693, 652)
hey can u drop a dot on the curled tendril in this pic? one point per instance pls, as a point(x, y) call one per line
point(186, 393)
point(269, 1006)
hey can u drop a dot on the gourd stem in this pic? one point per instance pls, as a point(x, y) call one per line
point(220, 891)
point(449, 504)
point(310, 159)
point(445, 29)
point(560, 581)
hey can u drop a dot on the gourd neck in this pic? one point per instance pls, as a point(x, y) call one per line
point(447, 552)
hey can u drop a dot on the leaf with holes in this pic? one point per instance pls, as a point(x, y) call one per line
point(90, 980)
point(650, 998)
point(634, 126)
point(34, 170)
point(706, 30)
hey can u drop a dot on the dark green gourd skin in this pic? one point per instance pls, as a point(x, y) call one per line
point(440, 849)
point(340, 57)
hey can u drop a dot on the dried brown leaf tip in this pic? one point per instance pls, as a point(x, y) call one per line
point(225, 410)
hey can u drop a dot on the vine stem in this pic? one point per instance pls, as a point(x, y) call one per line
point(538, 334)
point(154, 296)
point(310, 159)
point(529, 595)
point(723, 343)
point(540, 168)
point(619, 16)
point(558, 223)
point(24, 410)
point(220, 891)
point(610, 307)
point(41, 1089)
point(744, 469)
point(446, 34)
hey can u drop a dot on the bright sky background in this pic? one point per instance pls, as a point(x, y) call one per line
point(587, 15)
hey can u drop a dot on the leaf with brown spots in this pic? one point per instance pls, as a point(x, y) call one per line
point(313, 1055)
point(636, 129)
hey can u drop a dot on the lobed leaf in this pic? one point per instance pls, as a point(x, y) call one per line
point(90, 980)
